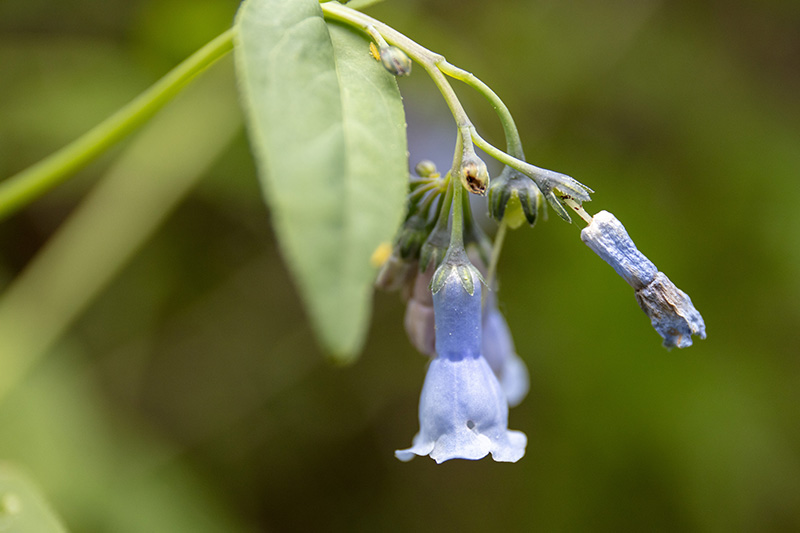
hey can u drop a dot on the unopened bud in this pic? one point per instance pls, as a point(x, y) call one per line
point(395, 61)
point(474, 175)
point(426, 169)
point(412, 236)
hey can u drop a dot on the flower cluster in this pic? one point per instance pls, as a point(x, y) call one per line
point(439, 264)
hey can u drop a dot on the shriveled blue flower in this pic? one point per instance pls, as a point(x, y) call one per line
point(463, 412)
point(498, 349)
point(670, 310)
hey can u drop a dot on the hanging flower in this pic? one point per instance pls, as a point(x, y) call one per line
point(498, 349)
point(463, 412)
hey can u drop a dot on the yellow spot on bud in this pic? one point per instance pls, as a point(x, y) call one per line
point(381, 254)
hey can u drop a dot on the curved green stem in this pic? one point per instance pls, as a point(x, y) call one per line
point(419, 192)
point(428, 60)
point(514, 162)
point(21, 189)
point(513, 140)
point(436, 66)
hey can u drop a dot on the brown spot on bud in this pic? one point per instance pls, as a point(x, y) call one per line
point(474, 177)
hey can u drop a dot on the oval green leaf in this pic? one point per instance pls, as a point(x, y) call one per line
point(327, 127)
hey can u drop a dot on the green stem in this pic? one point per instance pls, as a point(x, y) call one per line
point(515, 163)
point(457, 228)
point(425, 206)
point(430, 61)
point(444, 208)
point(419, 192)
point(21, 189)
point(436, 66)
point(499, 238)
point(513, 140)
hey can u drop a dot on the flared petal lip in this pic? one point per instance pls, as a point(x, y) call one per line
point(509, 449)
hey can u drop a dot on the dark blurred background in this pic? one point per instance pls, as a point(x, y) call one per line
point(171, 383)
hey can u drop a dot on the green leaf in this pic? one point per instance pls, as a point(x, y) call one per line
point(327, 127)
point(22, 508)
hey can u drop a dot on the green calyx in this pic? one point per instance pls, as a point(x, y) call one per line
point(456, 263)
point(514, 196)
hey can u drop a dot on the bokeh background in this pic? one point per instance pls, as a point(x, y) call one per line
point(163, 374)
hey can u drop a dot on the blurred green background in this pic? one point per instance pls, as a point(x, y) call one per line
point(177, 387)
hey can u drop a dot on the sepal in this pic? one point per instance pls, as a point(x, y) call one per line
point(555, 185)
point(457, 264)
point(511, 193)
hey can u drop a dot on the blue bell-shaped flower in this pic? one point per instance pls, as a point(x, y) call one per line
point(498, 349)
point(463, 412)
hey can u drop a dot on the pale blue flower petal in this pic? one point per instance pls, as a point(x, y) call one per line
point(498, 349)
point(463, 412)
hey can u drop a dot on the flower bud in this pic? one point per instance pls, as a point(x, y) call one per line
point(426, 169)
point(434, 249)
point(395, 61)
point(474, 175)
point(420, 327)
point(498, 349)
point(412, 235)
point(606, 236)
point(671, 312)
